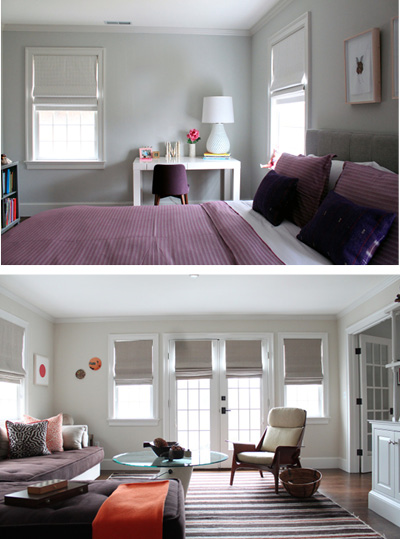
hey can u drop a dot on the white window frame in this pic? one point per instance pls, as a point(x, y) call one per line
point(22, 385)
point(112, 420)
point(325, 371)
point(302, 22)
point(30, 124)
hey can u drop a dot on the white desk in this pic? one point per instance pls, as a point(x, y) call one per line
point(191, 163)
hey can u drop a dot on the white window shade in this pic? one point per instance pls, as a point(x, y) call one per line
point(60, 77)
point(11, 349)
point(133, 362)
point(193, 359)
point(303, 361)
point(289, 62)
point(243, 358)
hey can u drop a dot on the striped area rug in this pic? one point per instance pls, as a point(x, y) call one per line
point(250, 509)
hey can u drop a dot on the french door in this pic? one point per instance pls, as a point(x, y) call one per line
point(228, 401)
point(375, 390)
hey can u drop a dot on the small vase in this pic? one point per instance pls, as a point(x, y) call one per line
point(192, 150)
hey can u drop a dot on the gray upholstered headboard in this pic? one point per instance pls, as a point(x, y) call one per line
point(354, 146)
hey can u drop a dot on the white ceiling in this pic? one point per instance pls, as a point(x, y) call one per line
point(188, 14)
point(91, 296)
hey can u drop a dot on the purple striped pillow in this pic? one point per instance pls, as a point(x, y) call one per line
point(345, 232)
point(374, 188)
point(313, 175)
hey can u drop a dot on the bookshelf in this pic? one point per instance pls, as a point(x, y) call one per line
point(9, 196)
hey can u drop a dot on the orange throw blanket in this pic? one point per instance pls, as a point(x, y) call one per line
point(132, 510)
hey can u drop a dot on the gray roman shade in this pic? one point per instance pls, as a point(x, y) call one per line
point(288, 62)
point(11, 349)
point(243, 358)
point(303, 361)
point(59, 78)
point(193, 359)
point(133, 362)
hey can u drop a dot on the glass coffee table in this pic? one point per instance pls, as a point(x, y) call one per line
point(179, 468)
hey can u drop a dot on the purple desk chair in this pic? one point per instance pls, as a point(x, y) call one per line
point(170, 180)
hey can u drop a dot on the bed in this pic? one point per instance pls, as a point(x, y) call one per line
point(338, 204)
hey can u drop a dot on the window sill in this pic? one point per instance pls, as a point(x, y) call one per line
point(133, 422)
point(65, 165)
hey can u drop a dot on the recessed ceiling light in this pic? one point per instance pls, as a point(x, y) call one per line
point(193, 275)
point(122, 23)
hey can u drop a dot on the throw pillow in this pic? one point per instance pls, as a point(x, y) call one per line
point(345, 232)
point(27, 440)
point(4, 445)
point(374, 188)
point(275, 196)
point(313, 175)
point(54, 437)
point(73, 436)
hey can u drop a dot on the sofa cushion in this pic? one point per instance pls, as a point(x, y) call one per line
point(256, 457)
point(74, 436)
point(4, 444)
point(54, 439)
point(73, 517)
point(276, 437)
point(27, 440)
point(60, 465)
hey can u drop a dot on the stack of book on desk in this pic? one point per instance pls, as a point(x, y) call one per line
point(216, 156)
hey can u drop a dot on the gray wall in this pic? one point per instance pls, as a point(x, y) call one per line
point(332, 21)
point(154, 88)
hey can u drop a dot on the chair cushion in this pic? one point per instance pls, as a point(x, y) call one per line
point(256, 457)
point(286, 417)
point(280, 436)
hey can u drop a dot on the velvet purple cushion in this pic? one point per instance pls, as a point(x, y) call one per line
point(313, 175)
point(345, 232)
point(275, 196)
point(374, 188)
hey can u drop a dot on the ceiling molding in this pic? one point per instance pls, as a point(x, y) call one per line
point(123, 29)
point(271, 14)
point(26, 304)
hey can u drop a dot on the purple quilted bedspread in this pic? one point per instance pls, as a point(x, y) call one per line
point(209, 233)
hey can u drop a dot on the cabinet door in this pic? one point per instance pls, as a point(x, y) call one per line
point(396, 451)
point(384, 477)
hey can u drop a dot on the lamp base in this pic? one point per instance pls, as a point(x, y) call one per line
point(218, 141)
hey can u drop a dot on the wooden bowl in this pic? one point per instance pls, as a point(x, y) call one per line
point(301, 482)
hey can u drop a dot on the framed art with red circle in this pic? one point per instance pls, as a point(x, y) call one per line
point(41, 370)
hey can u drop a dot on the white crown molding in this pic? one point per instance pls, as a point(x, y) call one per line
point(391, 279)
point(271, 14)
point(120, 29)
point(26, 304)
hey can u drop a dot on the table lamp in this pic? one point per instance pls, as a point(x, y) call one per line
point(218, 110)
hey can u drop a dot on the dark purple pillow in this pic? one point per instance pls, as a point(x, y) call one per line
point(313, 175)
point(274, 196)
point(345, 232)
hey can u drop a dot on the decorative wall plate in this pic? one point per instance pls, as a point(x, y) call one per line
point(95, 363)
point(80, 373)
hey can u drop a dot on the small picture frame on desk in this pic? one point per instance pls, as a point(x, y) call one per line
point(145, 153)
point(156, 155)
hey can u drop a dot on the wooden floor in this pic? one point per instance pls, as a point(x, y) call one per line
point(351, 492)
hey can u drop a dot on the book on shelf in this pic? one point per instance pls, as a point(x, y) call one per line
point(7, 181)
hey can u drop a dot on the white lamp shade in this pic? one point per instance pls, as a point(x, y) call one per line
point(217, 110)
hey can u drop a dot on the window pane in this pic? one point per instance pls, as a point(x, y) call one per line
point(193, 413)
point(288, 123)
point(244, 403)
point(133, 401)
point(9, 401)
point(308, 397)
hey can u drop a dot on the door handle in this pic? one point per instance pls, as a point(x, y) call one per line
point(224, 410)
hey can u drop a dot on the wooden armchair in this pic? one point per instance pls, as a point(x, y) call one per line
point(279, 446)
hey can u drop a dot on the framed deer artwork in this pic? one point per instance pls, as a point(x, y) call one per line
point(362, 68)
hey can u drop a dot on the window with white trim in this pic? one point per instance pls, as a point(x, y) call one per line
point(133, 377)
point(304, 363)
point(12, 367)
point(64, 107)
point(288, 88)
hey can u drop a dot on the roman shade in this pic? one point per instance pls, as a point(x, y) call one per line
point(11, 350)
point(243, 358)
point(67, 79)
point(289, 62)
point(193, 359)
point(133, 362)
point(303, 361)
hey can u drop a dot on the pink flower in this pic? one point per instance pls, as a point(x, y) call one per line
point(193, 136)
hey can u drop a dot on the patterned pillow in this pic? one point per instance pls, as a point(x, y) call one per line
point(313, 175)
point(345, 232)
point(54, 439)
point(27, 440)
point(274, 196)
point(374, 188)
